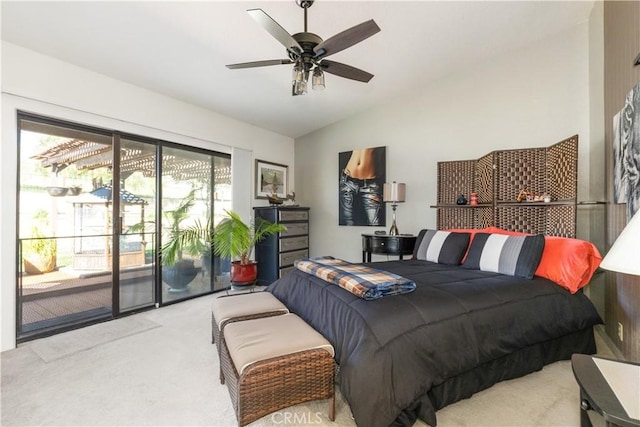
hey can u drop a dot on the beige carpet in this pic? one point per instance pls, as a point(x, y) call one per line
point(64, 345)
point(166, 374)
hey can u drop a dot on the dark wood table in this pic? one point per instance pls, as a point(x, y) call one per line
point(385, 244)
point(597, 395)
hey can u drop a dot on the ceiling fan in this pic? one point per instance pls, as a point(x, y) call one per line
point(307, 51)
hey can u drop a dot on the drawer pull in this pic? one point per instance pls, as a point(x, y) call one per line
point(584, 405)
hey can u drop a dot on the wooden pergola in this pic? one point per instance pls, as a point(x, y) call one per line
point(90, 155)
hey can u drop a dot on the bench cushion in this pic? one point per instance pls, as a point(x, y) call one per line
point(233, 306)
point(251, 341)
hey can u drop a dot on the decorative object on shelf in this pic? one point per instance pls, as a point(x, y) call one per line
point(274, 200)
point(394, 193)
point(523, 195)
point(474, 199)
point(271, 180)
point(57, 191)
point(461, 200)
point(622, 257)
point(306, 51)
point(530, 197)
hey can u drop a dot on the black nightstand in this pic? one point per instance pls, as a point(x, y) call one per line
point(385, 244)
point(597, 395)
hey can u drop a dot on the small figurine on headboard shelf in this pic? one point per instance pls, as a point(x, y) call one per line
point(528, 196)
point(524, 195)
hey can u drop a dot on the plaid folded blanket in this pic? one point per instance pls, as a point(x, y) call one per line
point(364, 282)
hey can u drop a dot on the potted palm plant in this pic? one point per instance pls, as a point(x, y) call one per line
point(235, 240)
point(178, 271)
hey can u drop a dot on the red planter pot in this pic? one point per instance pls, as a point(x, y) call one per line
point(242, 274)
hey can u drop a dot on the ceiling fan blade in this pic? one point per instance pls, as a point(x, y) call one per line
point(273, 28)
point(259, 64)
point(346, 71)
point(346, 39)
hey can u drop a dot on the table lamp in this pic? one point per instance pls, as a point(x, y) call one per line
point(622, 257)
point(394, 193)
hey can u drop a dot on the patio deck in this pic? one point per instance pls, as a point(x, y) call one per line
point(64, 295)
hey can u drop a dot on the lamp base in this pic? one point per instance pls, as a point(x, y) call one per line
point(393, 231)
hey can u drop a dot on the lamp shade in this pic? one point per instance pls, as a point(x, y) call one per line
point(394, 192)
point(623, 255)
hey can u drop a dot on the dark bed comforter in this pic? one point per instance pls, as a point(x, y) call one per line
point(393, 351)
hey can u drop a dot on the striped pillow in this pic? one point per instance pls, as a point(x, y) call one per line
point(510, 255)
point(443, 247)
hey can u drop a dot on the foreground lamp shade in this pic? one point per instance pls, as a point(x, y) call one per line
point(394, 192)
point(623, 255)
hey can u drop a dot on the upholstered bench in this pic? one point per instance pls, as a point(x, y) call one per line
point(276, 362)
point(233, 308)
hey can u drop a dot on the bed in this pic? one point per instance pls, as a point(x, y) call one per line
point(462, 330)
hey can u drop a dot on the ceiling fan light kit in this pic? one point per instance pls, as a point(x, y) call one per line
point(317, 80)
point(307, 51)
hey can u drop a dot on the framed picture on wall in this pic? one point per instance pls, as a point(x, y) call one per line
point(362, 174)
point(626, 153)
point(271, 178)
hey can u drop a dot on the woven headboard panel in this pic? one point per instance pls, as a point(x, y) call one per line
point(498, 178)
point(520, 169)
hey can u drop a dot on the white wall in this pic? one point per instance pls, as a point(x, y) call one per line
point(527, 98)
point(43, 85)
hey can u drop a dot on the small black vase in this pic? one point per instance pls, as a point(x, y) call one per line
point(461, 200)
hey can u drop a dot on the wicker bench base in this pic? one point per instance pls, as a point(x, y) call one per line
point(276, 309)
point(276, 383)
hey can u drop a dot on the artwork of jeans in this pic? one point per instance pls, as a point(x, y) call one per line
point(362, 176)
point(626, 153)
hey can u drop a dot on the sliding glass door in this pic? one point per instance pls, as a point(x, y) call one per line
point(194, 184)
point(101, 223)
point(136, 224)
point(64, 223)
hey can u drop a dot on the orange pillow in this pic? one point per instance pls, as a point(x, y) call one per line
point(568, 262)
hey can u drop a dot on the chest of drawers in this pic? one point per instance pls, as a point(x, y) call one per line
point(275, 254)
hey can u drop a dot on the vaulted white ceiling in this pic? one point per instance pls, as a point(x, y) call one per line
point(180, 49)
